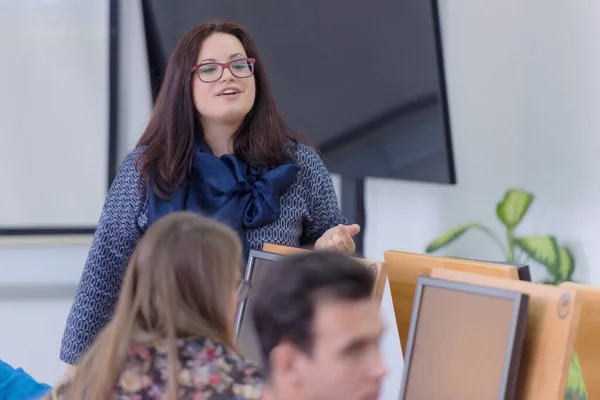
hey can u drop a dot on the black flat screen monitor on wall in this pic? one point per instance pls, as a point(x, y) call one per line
point(260, 264)
point(364, 80)
point(464, 342)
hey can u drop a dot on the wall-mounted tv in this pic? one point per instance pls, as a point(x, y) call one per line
point(364, 80)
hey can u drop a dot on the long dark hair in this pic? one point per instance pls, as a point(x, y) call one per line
point(169, 138)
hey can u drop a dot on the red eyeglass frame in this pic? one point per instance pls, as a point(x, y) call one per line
point(223, 66)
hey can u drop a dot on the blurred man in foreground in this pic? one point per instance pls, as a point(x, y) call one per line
point(319, 330)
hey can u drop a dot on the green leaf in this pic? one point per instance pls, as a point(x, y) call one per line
point(513, 207)
point(543, 249)
point(575, 385)
point(566, 264)
point(449, 237)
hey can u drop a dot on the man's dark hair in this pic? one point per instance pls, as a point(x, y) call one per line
point(285, 311)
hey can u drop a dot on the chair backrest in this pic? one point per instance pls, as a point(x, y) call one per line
point(427, 262)
point(378, 268)
point(552, 322)
point(403, 271)
point(587, 343)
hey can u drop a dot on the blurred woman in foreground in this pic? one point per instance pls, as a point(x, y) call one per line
point(171, 334)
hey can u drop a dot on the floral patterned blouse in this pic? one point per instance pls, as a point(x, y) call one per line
point(209, 372)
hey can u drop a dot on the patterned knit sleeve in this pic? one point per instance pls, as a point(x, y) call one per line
point(115, 238)
point(323, 208)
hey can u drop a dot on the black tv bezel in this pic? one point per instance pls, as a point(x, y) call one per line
point(439, 47)
point(514, 349)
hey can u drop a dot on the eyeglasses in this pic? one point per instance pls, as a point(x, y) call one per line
point(243, 290)
point(213, 71)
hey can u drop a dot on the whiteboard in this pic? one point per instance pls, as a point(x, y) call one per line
point(54, 93)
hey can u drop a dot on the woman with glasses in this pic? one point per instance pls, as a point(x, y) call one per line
point(215, 144)
point(171, 334)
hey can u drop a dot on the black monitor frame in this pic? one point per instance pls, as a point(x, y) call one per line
point(248, 273)
point(517, 331)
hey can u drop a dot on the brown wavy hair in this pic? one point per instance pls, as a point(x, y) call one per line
point(175, 287)
point(169, 138)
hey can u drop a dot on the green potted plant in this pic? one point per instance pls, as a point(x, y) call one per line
point(556, 258)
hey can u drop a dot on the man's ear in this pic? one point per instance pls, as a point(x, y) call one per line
point(288, 364)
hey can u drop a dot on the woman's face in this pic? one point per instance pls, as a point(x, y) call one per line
point(213, 105)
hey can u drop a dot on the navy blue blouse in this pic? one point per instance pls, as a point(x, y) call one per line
point(308, 208)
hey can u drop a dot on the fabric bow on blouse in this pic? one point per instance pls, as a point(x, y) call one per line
point(229, 190)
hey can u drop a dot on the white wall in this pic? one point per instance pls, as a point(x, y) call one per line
point(522, 85)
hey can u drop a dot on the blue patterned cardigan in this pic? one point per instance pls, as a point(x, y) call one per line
point(308, 209)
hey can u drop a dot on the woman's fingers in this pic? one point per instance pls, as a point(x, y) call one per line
point(346, 238)
point(339, 238)
point(330, 244)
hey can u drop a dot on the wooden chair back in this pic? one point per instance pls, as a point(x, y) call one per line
point(587, 342)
